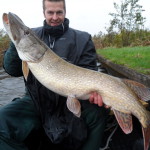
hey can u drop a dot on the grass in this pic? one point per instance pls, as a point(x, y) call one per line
point(137, 58)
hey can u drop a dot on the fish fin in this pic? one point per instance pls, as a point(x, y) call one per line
point(74, 105)
point(25, 69)
point(146, 136)
point(142, 91)
point(124, 120)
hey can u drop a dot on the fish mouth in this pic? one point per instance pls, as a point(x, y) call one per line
point(12, 23)
point(5, 18)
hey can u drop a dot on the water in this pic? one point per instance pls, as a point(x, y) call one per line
point(10, 87)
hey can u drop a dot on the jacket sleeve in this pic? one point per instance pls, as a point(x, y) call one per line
point(88, 58)
point(12, 63)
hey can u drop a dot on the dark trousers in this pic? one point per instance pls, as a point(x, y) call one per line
point(19, 119)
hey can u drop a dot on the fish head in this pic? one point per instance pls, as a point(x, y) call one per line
point(14, 27)
point(28, 45)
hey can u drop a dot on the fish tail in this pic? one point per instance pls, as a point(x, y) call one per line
point(146, 130)
point(146, 136)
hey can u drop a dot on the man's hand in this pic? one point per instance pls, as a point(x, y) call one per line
point(95, 98)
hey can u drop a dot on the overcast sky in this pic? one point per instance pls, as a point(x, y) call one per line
point(87, 15)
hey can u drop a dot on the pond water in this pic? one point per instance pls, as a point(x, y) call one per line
point(10, 87)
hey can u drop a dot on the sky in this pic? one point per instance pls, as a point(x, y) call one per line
point(91, 16)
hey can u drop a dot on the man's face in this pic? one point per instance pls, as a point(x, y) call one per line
point(54, 13)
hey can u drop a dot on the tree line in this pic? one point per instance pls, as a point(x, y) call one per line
point(126, 27)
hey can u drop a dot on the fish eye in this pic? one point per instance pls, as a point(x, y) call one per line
point(14, 37)
point(26, 32)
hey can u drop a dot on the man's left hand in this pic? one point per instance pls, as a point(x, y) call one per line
point(95, 98)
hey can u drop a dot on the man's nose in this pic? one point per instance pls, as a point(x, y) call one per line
point(55, 16)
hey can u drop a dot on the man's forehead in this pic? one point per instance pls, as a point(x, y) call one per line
point(54, 9)
point(54, 5)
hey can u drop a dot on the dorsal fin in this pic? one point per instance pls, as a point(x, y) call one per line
point(124, 120)
point(142, 91)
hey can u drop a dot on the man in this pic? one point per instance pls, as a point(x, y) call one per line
point(47, 109)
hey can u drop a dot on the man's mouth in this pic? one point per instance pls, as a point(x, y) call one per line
point(55, 23)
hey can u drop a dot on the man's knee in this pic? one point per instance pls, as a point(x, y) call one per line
point(3, 114)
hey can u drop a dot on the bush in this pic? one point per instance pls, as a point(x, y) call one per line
point(4, 44)
point(123, 39)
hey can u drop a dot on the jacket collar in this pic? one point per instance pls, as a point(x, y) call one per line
point(56, 31)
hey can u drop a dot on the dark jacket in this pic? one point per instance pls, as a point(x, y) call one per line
point(59, 123)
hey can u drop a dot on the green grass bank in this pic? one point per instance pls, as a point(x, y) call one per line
point(136, 58)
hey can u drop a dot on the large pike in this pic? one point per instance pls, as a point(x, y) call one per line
point(78, 83)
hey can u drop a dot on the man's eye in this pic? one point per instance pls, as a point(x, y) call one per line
point(50, 13)
point(59, 12)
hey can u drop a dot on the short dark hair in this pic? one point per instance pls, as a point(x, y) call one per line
point(54, 1)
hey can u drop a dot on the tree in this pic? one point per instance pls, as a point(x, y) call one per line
point(127, 18)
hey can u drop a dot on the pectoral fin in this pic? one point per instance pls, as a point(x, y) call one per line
point(74, 105)
point(25, 69)
point(124, 120)
point(146, 136)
